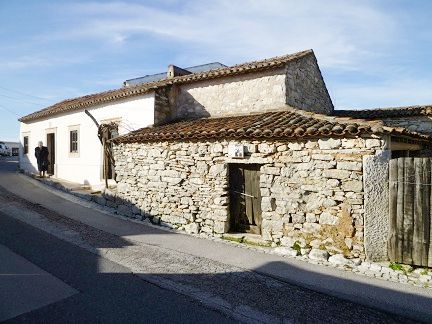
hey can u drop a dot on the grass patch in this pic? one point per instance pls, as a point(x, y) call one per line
point(297, 247)
point(396, 266)
point(233, 239)
point(255, 243)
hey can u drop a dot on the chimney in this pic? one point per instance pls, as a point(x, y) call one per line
point(174, 71)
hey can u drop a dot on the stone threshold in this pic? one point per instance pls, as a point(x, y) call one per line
point(420, 277)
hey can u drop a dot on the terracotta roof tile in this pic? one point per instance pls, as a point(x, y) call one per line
point(289, 123)
point(381, 113)
point(125, 92)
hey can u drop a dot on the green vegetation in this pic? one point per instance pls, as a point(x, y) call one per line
point(233, 239)
point(396, 266)
point(297, 247)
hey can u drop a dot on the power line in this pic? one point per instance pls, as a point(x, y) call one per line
point(23, 93)
point(21, 100)
point(8, 110)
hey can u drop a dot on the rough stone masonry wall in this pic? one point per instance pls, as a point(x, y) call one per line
point(298, 84)
point(249, 93)
point(305, 87)
point(312, 191)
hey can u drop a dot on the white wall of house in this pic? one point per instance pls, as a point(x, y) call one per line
point(84, 167)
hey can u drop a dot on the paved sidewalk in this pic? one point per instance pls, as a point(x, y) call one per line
point(400, 299)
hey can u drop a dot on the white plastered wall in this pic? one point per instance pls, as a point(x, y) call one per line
point(86, 166)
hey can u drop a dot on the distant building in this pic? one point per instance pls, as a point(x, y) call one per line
point(9, 148)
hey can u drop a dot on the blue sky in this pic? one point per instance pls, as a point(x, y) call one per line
point(371, 53)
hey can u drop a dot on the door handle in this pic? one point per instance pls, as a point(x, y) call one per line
point(241, 193)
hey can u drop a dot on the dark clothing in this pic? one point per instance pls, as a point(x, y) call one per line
point(41, 154)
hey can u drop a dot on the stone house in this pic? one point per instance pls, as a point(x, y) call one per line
point(257, 148)
point(76, 154)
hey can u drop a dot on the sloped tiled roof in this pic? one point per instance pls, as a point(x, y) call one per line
point(381, 113)
point(125, 92)
point(289, 123)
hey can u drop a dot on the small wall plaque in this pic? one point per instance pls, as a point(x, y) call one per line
point(236, 151)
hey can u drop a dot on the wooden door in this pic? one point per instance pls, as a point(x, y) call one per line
point(51, 152)
point(109, 132)
point(245, 198)
point(410, 210)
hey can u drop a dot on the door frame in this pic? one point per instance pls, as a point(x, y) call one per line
point(53, 165)
point(240, 197)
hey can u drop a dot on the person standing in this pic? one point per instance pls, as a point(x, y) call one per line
point(41, 153)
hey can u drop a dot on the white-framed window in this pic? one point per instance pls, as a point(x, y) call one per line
point(74, 143)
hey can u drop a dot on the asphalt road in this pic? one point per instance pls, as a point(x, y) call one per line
point(107, 292)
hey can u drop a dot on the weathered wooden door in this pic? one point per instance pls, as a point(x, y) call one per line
point(410, 210)
point(51, 152)
point(245, 198)
point(110, 132)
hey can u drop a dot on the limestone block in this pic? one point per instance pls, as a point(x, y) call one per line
point(336, 174)
point(282, 148)
point(354, 185)
point(272, 225)
point(265, 192)
point(320, 255)
point(172, 181)
point(217, 169)
point(351, 166)
point(268, 204)
point(332, 183)
point(311, 144)
point(325, 164)
point(315, 244)
point(298, 218)
point(296, 146)
point(311, 218)
point(329, 144)
point(202, 167)
point(196, 181)
point(285, 251)
point(339, 259)
point(327, 202)
point(323, 157)
point(313, 203)
point(220, 200)
point(373, 143)
point(122, 187)
point(328, 219)
point(266, 148)
point(221, 227)
point(271, 170)
point(217, 148)
point(192, 228)
point(287, 241)
point(311, 228)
